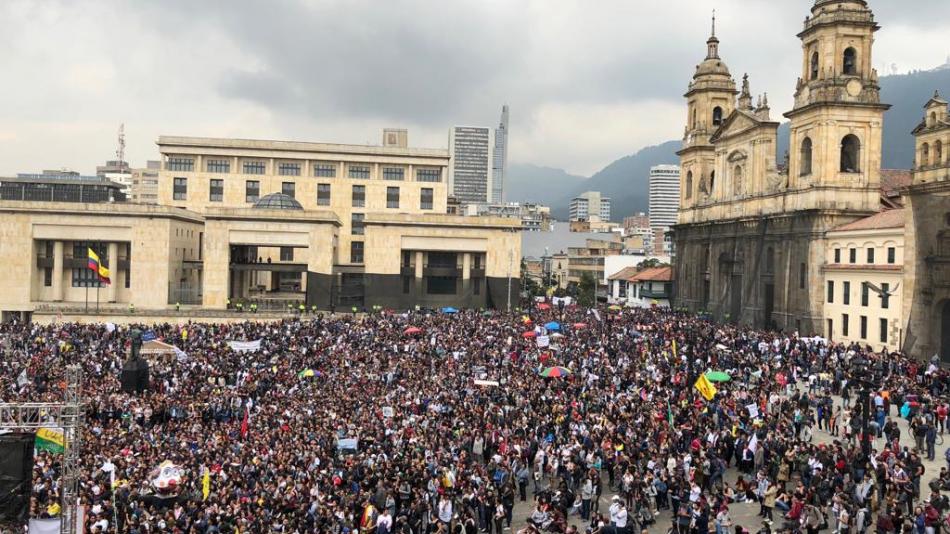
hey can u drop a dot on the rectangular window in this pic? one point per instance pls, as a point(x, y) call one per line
point(359, 196)
point(254, 167)
point(324, 170)
point(846, 292)
point(802, 274)
point(882, 326)
point(864, 327)
point(252, 190)
point(428, 175)
point(180, 189)
point(891, 255)
point(286, 253)
point(323, 194)
point(425, 200)
point(837, 255)
point(870, 255)
point(853, 255)
point(180, 164)
point(356, 252)
point(288, 169)
point(865, 293)
point(831, 291)
point(218, 165)
point(885, 297)
point(844, 324)
point(830, 332)
point(356, 223)
point(288, 188)
point(83, 276)
point(48, 276)
point(392, 197)
point(393, 173)
point(359, 172)
point(216, 191)
point(477, 286)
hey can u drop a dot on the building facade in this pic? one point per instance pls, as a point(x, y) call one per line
point(500, 159)
point(927, 254)
point(117, 171)
point(590, 206)
point(751, 233)
point(60, 186)
point(144, 188)
point(470, 166)
point(664, 195)
point(864, 275)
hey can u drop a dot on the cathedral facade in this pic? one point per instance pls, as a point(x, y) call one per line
point(750, 239)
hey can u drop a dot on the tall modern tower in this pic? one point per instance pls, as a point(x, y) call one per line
point(500, 159)
point(471, 150)
point(664, 195)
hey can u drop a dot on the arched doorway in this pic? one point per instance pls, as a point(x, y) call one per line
point(944, 349)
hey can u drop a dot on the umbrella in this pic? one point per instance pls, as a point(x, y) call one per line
point(306, 373)
point(580, 325)
point(718, 376)
point(556, 336)
point(529, 333)
point(449, 309)
point(614, 308)
point(553, 326)
point(555, 372)
point(412, 330)
point(544, 306)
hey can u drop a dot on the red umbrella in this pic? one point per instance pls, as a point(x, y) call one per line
point(580, 325)
point(544, 306)
point(412, 330)
point(529, 333)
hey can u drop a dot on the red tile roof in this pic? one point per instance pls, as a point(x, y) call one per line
point(624, 274)
point(655, 274)
point(878, 221)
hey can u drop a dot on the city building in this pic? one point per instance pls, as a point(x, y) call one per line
point(274, 224)
point(664, 195)
point(590, 206)
point(751, 234)
point(471, 153)
point(864, 274)
point(595, 226)
point(145, 183)
point(534, 217)
point(500, 159)
point(60, 186)
point(926, 305)
point(642, 288)
point(119, 172)
point(632, 223)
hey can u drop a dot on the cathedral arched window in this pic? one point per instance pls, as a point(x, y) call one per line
point(694, 118)
point(814, 65)
point(924, 155)
point(850, 153)
point(806, 157)
point(717, 116)
point(737, 179)
point(938, 153)
point(689, 184)
point(712, 181)
point(933, 119)
point(850, 61)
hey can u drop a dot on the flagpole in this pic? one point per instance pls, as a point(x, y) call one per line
point(97, 296)
point(87, 298)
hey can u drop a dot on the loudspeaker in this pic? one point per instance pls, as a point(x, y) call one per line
point(134, 376)
point(16, 476)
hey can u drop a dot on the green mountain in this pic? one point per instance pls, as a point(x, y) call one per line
point(626, 180)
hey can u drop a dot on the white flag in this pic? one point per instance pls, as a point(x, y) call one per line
point(753, 443)
point(22, 380)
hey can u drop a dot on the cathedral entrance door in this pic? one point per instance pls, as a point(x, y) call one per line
point(944, 350)
point(769, 305)
point(736, 306)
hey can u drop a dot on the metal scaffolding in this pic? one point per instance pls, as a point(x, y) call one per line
point(68, 415)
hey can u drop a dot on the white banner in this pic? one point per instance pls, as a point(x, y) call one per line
point(753, 411)
point(245, 346)
point(543, 341)
point(351, 444)
point(44, 526)
point(388, 411)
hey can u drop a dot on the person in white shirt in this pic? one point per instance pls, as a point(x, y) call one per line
point(614, 509)
point(445, 510)
point(621, 522)
point(384, 523)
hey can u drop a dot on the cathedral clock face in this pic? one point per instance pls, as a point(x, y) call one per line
point(854, 88)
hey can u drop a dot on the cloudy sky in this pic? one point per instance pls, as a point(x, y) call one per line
point(587, 81)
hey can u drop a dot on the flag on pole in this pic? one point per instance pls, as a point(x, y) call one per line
point(22, 379)
point(669, 411)
point(50, 439)
point(705, 387)
point(245, 423)
point(96, 266)
point(753, 443)
point(206, 484)
point(674, 349)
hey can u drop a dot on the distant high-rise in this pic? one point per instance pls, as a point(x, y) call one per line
point(500, 159)
point(590, 206)
point(664, 195)
point(471, 151)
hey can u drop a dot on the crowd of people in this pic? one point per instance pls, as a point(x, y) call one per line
point(444, 423)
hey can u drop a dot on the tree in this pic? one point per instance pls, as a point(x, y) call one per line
point(587, 290)
point(649, 263)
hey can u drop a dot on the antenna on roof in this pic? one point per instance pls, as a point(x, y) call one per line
point(714, 23)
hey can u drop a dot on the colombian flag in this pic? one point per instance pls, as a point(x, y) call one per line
point(97, 267)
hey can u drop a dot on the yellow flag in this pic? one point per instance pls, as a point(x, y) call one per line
point(206, 484)
point(705, 387)
point(674, 349)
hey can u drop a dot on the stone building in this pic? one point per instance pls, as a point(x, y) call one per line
point(751, 233)
point(927, 235)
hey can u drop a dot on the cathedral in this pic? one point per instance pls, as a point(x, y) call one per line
point(751, 236)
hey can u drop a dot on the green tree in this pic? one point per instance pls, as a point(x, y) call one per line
point(587, 291)
point(649, 264)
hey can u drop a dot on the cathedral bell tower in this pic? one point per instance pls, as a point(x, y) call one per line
point(711, 98)
point(838, 117)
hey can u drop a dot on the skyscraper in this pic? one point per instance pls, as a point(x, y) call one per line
point(664, 195)
point(500, 159)
point(590, 206)
point(471, 151)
